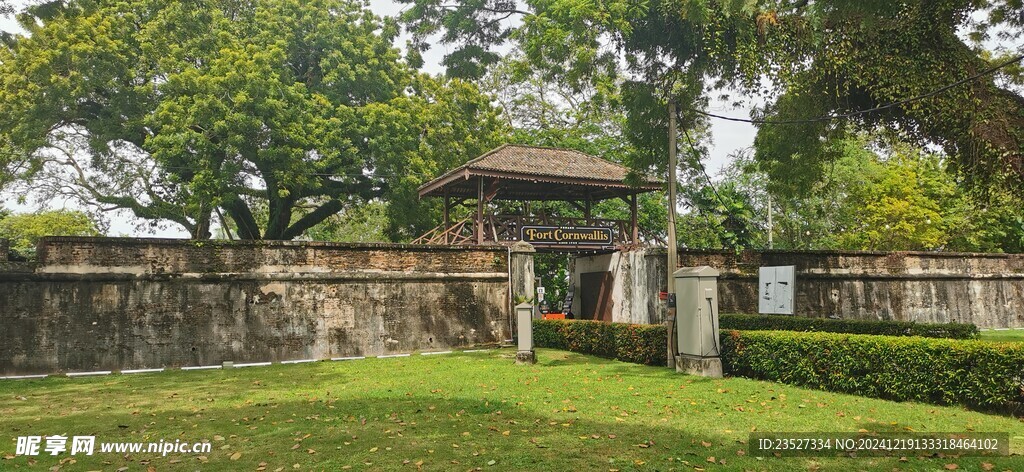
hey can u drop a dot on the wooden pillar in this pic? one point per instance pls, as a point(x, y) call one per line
point(586, 210)
point(632, 219)
point(480, 211)
point(447, 218)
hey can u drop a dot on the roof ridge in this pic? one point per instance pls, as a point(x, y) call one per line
point(549, 148)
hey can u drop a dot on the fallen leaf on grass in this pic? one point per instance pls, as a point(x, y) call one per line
point(987, 466)
point(236, 456)
point(951, 467)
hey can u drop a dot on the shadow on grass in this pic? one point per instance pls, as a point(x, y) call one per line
point(375, 415)
point(387, 432)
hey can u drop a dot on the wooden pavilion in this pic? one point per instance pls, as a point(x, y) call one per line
point(529, 174)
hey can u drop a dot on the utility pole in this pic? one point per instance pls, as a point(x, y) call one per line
point(770, 245)
point(672, 256)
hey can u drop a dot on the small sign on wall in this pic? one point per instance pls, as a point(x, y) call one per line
point(776, 286)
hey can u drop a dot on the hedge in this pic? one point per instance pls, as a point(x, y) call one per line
point(885, 328)
point(979, 374)
point(640, 344)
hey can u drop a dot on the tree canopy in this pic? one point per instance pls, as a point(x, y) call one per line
point(24, 229)
point(273, 114)
point(877, 195)
point(814, 59)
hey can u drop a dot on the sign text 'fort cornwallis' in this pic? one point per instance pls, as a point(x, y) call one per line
point(566, 236)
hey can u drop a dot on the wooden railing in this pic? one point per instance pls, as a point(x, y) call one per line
point(505, 228)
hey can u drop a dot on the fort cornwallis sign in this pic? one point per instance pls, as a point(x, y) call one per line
point(566, 236)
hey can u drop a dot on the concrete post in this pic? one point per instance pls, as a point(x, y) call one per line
point(524, 323)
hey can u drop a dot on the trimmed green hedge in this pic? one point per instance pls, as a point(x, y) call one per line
point(979, 374)
point(640, 344)
point(941, 371)
point(885, 328)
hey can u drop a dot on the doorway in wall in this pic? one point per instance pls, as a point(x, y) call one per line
point(596, 296)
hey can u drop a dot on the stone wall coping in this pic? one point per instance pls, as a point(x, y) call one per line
point(655, 251)
point(118, 241)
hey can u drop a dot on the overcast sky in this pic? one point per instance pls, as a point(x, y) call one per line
point(727, 136)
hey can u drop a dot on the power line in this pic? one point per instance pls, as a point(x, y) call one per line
point(869, 110)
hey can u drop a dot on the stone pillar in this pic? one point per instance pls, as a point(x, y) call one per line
point(521, 272)
point(524, 342)
point(5, 246)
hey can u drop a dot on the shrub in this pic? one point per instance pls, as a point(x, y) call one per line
point(640, 344)
point(980, 374)
point(886, 328)
point(941, 371)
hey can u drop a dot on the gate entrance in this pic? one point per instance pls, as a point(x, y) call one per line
point(525, 174)
point(493, 200)
point(596, 296)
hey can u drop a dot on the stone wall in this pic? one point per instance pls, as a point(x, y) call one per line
point(112, 304)
point(637, 278)
point(984, 289)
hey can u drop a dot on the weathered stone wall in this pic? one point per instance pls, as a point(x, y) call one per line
point(635, 278)
point(110, 304)
point(984, 289)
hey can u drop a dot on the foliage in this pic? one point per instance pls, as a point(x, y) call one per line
point(590, 119)
point(553, 270)
point(364, 223)
point(809, 59)
point(980, 374)
point(173, 109)
point(640, 344)
point(885, 328)
point(25, 229)
point(722, 216)
point(878, 194)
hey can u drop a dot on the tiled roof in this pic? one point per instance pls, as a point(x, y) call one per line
point(538, 173)
point(554, 162)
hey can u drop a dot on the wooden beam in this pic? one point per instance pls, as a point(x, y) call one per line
point(633, 219)
point(447, 219)
point(480, 212)
point(577, 205)
point(492, 190)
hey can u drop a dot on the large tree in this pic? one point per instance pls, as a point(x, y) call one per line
point(808, 58)
point(274, 114)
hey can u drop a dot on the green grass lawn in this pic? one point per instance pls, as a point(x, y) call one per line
point(1006, 335)
point(462, 412)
